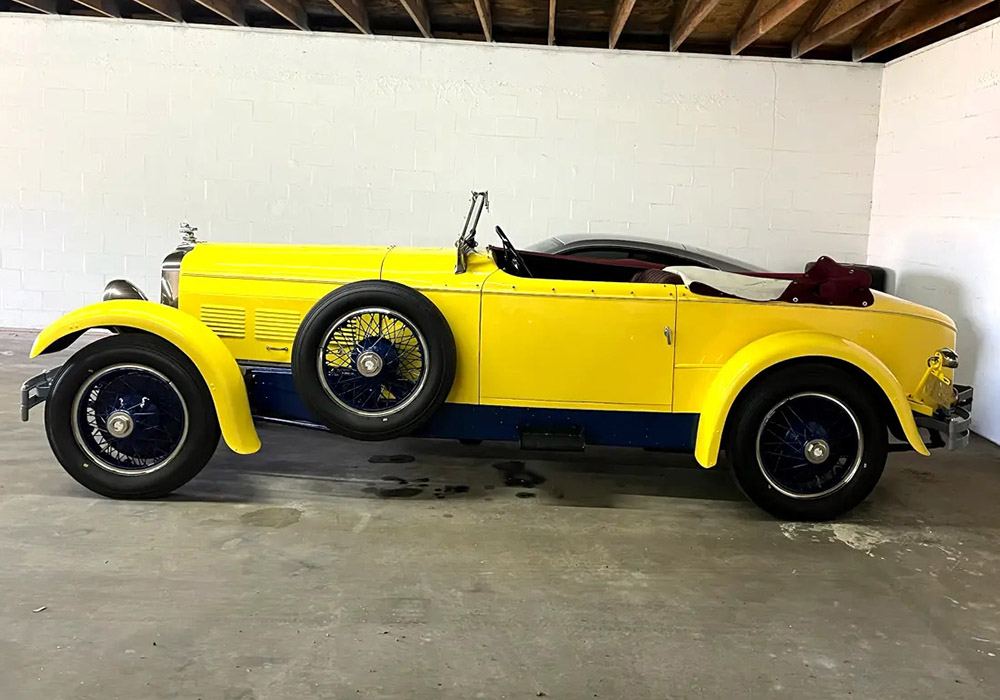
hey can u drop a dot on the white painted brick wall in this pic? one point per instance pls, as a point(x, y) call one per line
point(113, 132)
point(936, 213)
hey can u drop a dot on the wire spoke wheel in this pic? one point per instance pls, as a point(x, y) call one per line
point(129, 419)
point(372, 362)
point(809, 445)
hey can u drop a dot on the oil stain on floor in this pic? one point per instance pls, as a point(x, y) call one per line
point(391, 459)
point(516, 473)
point(393, 491)
point(272, 517)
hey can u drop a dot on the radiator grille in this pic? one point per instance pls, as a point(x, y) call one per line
point(226, 321)
point(276, 325)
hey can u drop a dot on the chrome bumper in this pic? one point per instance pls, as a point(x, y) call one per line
point(950, 429)
point(36, 390)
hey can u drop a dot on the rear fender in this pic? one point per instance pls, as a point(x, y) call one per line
point(771, 350)
point(192, 337)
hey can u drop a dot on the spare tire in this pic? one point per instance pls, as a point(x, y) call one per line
point(373, 360)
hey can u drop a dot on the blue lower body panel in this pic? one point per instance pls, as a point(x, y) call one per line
point(668, 431)
point(273, 397)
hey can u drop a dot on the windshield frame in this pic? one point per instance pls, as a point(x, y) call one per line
point(466, 242)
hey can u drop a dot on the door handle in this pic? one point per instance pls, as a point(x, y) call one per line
point(668, 334)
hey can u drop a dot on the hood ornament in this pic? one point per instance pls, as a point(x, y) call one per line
point(188, 238)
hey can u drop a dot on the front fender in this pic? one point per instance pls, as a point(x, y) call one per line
point(771, 350)
point(192, 337)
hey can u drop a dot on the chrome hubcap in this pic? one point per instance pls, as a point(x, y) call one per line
point(369, 364)
point(817, 451)
point(120, 424)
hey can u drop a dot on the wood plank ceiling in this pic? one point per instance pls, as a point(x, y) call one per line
point(858, 30)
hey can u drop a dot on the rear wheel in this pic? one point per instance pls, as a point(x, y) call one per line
point(809, 443)
point(131, 417)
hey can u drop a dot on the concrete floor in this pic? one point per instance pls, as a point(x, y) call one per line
point(308, 571)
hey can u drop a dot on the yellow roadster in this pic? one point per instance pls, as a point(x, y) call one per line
point(798, 379)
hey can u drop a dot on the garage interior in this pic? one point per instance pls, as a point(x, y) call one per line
point(769, 131)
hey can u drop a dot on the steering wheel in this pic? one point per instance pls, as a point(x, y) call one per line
point(513, 257)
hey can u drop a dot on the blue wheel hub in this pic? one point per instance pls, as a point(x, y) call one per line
point(373, 362)
point(129, 419)
point(809, 445)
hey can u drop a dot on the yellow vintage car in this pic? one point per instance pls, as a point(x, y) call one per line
point(799, 390)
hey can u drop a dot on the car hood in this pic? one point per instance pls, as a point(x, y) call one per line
point(284, 262)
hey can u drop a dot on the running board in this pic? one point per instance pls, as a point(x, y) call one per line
point(552, 438)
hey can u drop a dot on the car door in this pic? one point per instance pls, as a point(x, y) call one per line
point(576, 344)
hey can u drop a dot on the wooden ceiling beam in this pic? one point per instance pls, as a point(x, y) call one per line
point(837, 26)
point(417, 9)
point(751, 13)
point(758, 27)
point(170, 9)
point(815, 17)
point(552, 22)
point(871, 29)
point(108, 8)
point(227, 9)
point(292, 10)
point(355, 12)
point(918, 25)
point(689, 20)
point(46, 6)
point(485, 18)
point(623, 9)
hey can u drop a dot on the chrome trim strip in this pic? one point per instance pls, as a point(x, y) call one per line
point(289, 421)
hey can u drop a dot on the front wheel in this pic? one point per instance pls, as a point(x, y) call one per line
point(131, 417)
point(809, 444)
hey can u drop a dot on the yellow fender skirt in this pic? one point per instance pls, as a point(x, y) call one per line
point(756, 357)
point(192, 337)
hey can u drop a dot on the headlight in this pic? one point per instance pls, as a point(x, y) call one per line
point(122, 289)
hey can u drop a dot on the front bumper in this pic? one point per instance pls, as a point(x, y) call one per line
point(36, 390)
point(950, 429)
